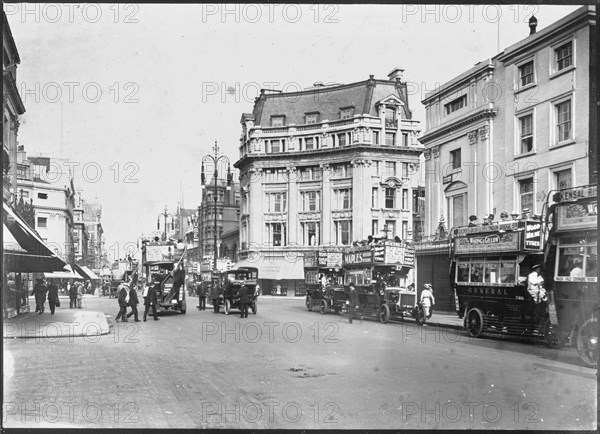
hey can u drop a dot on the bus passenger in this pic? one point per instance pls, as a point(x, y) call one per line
point(576, 271)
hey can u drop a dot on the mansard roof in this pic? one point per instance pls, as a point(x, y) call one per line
point(327, 101)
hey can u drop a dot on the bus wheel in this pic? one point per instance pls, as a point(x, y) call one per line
point(475, 322)
point(308, 302)
point(324, 307)
point(183, 307)
point(227, 307)
point(384, 313)
point(587, 342)
point(552, 338)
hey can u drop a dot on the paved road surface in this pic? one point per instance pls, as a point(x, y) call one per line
point(286, 368)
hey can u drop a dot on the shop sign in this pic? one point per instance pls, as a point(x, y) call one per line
point(494, 242)
point(533, 236)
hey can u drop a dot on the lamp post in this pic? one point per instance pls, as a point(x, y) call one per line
point(165, 213)
point(215, 158)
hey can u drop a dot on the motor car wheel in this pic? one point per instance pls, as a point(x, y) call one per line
point(384, 313)
point(324, 308)
point(254, 308)
point(308, 303)
point(587, 342)
point(227, 307)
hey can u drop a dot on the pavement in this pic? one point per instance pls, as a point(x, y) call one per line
point(65, 322)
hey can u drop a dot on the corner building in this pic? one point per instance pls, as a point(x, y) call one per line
point(325, 166)
point(509, 130)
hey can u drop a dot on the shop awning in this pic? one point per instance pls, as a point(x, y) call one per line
point(24, 250)
point(69, 274)
point(86, 272)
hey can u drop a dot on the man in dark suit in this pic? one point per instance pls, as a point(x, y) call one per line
point(133, 302)
point(40, 290)
point(202, 295)
point(244, 301)
point(123, 296)
point(150, 300)
point(352, 302)
point(53, 297)
point(73, 295)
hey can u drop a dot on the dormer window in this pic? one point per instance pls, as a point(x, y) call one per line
point(346, 112)
point(311, 118)
point(277, 121)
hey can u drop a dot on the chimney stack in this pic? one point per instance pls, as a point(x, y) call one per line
point(396, 74)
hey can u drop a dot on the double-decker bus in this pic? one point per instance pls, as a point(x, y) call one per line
point(382, 271)
point(323, 277)
point(490, 265)
point(160, 260)
point(571, 268)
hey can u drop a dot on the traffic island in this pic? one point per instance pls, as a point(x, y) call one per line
point(64, 323)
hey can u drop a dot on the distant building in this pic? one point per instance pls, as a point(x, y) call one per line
point(328, 165)
point(228, 215)
point(53, 203)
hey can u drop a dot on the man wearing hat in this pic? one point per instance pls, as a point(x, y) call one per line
point(576, 271)
point(427, 299)
point(535, 284)
point(352, 302)
point(472, 220)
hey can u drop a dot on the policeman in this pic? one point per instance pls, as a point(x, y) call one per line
point(244, 301)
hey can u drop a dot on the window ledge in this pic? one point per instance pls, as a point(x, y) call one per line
point(526, 87)
point(561, 144)
point(561, 72)
point(525, 154)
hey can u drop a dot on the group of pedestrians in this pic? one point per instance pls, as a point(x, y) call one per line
point(127, 297)
point(75, 295)
point(41, 290)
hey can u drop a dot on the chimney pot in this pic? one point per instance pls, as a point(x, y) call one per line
point(532, 24)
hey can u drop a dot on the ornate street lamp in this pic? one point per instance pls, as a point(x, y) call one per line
point(215, 161)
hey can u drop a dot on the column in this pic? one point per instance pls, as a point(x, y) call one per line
point(327, 235)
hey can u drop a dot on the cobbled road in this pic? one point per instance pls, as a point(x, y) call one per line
point(287, 368)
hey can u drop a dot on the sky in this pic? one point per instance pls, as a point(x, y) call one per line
point(130, 97)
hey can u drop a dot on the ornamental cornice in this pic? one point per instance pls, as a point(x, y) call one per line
point(341, 215)
point(484, 114)
point(275, 216)
point(309, 216)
